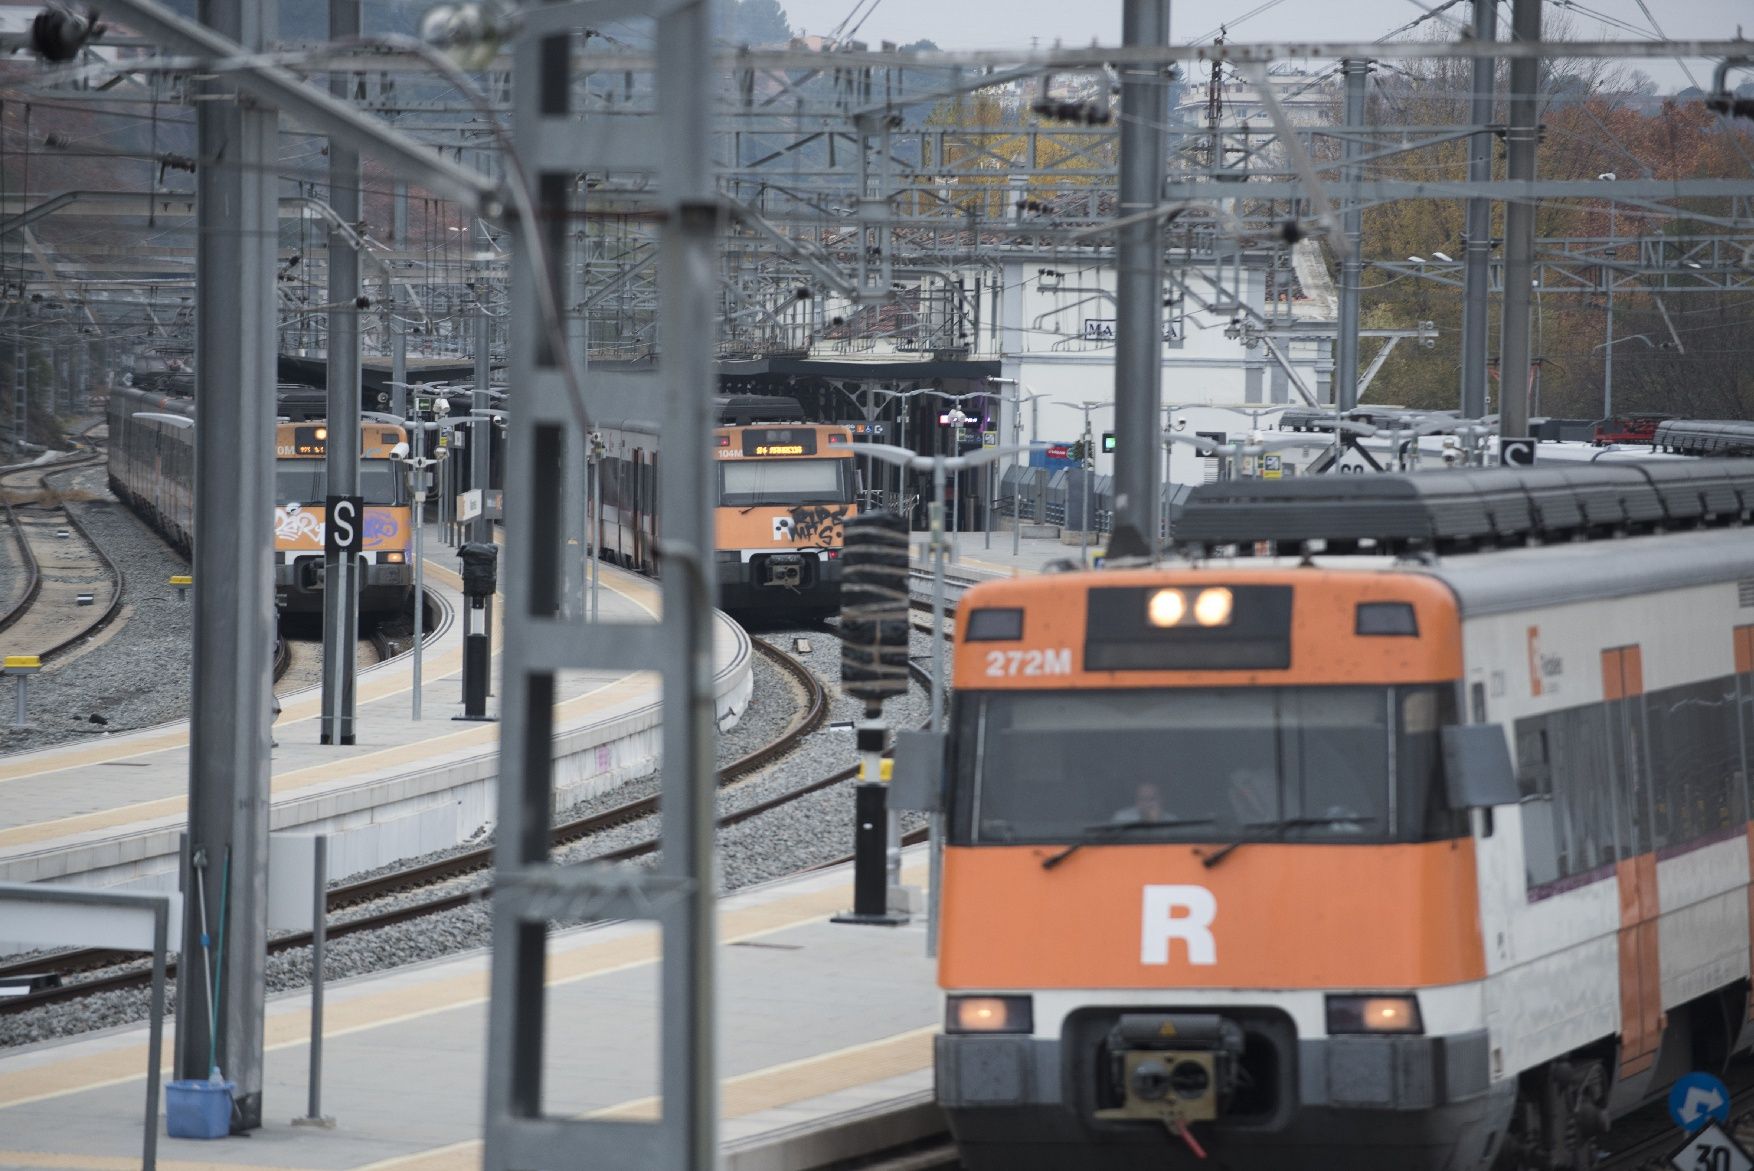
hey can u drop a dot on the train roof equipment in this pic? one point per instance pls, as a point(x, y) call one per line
point(1464, 510)
point(740, 410)
point(1709, 437)
point(1385, 417)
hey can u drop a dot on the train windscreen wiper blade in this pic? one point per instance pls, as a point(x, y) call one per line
point(1109, 829)
point(1222, 852)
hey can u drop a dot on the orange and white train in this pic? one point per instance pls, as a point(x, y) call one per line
point(152, 468)
point(1437, 858)
point(783, 491)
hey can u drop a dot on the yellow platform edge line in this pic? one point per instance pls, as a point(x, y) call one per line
point(636, 590)
point(740, 1096)
point(55, 1161)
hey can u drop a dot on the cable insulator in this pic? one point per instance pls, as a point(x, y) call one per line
point(873, 607)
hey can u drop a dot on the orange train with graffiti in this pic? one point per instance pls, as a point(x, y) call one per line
point(1347, 861)
point(300, 517)
point(782, 491)
point(152, 467)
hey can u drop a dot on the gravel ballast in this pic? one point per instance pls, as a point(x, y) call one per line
point(139, 675)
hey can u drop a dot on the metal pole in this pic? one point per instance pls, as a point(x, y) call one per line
point(901, 470)
point(688, 241)
point(417, 482)
point(1608, 350)
point(319, 933)
point(1519, 226)
point(987, 506)
point(956, 450)
point(1476, 275)
point(161, 929)
point(936, 516)
point(1139, 282)
point(1356, 72)
point(936, 832)
point(596, 520)
point(237, 220)
point(481, 436)
point(398, 330)
point(1017, 484)
point(341, 453)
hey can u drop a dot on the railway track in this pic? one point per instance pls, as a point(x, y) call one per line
point(43, 973)
point(71, 587)
point(1645, 1139)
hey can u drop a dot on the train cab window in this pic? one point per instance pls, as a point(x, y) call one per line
point(382, 481)
point(749, 483)
point(298, 481)
point(305, 481)
point(1338, 764)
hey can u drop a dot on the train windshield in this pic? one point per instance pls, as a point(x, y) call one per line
point(747, 483)
point(1233, 764)
point(303, 481)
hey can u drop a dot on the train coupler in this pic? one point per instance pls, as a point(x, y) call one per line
point(783, 571)
point(1173, 1068)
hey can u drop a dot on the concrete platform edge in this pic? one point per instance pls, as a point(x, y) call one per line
point(459, 787)
point(839, 1137)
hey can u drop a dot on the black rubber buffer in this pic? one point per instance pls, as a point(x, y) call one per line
point(870, 863)
point(475, 668)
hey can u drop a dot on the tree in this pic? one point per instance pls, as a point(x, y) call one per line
point(1592, 123)
point(755, 22)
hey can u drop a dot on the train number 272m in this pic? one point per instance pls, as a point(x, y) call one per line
point(1035, 662)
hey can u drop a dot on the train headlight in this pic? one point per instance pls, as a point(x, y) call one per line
point(1212, 607)
point(1167, 607)
point(322, 433)
point(392, 558)
point(988, 1014)
point(1374, 1014)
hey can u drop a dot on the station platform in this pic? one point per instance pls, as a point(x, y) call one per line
point(825, 1030)
point(108, 812)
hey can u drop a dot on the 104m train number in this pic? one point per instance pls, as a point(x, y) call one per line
point(1035, 662)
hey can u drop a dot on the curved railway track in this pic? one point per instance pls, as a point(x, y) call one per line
point(61, 561)
point(45, 968)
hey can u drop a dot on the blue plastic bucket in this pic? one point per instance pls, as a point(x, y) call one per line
point(198, 1109)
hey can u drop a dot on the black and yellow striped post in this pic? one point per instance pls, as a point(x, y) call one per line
point(873, 667)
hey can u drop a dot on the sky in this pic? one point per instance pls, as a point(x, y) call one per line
point(1011, 24)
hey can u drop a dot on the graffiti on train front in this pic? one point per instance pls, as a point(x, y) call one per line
point(814, 524)
point(296, 527)
point(293, 523)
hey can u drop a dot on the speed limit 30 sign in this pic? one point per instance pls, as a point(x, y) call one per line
point(1711, 1150)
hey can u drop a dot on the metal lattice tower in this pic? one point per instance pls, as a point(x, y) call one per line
point(547, 445)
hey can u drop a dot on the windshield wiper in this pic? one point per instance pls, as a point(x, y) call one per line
point(1108, 829)
point(1218, 855)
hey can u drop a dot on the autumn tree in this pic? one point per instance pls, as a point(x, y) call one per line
point(1679, 355)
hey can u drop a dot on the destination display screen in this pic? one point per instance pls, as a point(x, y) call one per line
point(306, 441)
point(779, 441)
